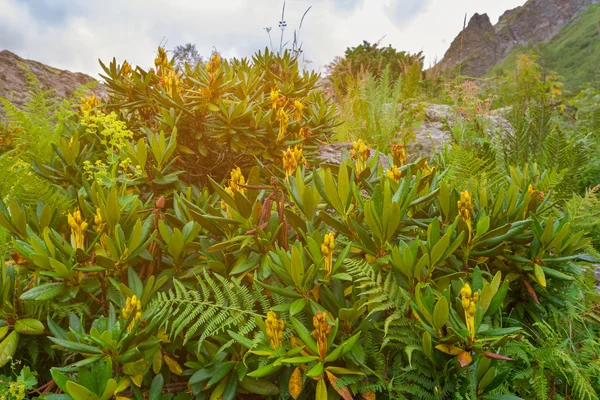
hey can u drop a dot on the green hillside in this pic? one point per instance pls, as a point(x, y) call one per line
point(574, 53)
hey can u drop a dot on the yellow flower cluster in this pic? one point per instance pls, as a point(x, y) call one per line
point(291, 159)
point(274, 329)
point(98, 221)
point(322, 329)
point(274, 97)
point(298, 108)
point(284, 121)
point(399, 154)
point(394, 173)
point(214, 63)
point(327, 248)
point(171, 82)
point(360, 153)
point(426, 169)
point(161, 61)
point(237, 179)
point(465, 206)
point(132, 305)
point(78, 226)
point(469, 303)
point(126, 69)
point(89, 103)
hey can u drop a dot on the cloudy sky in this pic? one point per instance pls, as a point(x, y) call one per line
point(73, 34)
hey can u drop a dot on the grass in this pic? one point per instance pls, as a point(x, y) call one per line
point(573, 53)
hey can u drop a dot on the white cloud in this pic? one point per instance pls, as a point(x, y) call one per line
point(72, 34)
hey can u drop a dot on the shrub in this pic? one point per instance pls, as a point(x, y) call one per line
point(282, 279)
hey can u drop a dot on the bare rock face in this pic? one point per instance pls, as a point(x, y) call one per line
point(480, 45)
point(13, 79)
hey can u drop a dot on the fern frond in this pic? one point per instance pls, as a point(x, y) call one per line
point(218, 305)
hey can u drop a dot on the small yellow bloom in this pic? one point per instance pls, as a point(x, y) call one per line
point(126, 69)
point(284, 121)
point(78, 227)
point(274, 97)
point(394, 173)
point(161, 61)
point(298, 107)
point(399, 154)
point(327, 249)
point(237, 179)
point(322, 329)
point(469, 304)
point(89, 103)
point(132, 305)
point(275, 329)
point(465, 206)
point(214, 63)
point(360, 154)
point(291, 160)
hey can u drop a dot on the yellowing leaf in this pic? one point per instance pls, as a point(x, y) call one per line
point(137, 379)
point(540, 277)
point(157, 360)
point(173, 365)
point(449, 349)
point(295, 383)
point(464, 359)
point(343, 391)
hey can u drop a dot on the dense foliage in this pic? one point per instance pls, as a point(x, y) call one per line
point(174, 242)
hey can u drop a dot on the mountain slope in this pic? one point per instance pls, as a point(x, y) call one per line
point(481, 45)
point(13, 79)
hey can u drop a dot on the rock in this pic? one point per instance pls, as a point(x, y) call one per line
point(13, 79)
point(481, 45)
point(430, 136)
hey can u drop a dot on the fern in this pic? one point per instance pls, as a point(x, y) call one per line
point(469, 169)
point(218, 305)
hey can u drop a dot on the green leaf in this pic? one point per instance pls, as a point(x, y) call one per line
point(135, 367)
point(304, 335)
point(540, 277)
point(297, 306)
point(76, 346)
point(321, 393)
point(300, 360)
point(265, 371)
point(8, 347)
point(441, 313)
point(176, 244)
point(79, 392)
point(316, 370)
point(29, 326)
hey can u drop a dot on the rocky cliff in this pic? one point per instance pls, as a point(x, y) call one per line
point(13, 79)
point(481, 45)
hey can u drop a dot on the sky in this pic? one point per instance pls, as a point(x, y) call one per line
point(74, 34)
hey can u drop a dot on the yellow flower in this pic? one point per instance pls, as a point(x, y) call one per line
point(161, 60)
point(214, 63)
point(126, 69)
point(298, 107)
point(393, 173)
point(322, 329)
point(291, 159)
point(78, 226)
point(98, 221)
point(171, 82)
point(89, 103)
point(284, 121)
point(465, 206)
point(531, 190)
point(469, 304)
point(327, 249)
point(132, 305)
point(237, 179)
point(274, 97)
point(274, 329)
point(399, 154)
point(360, 153)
